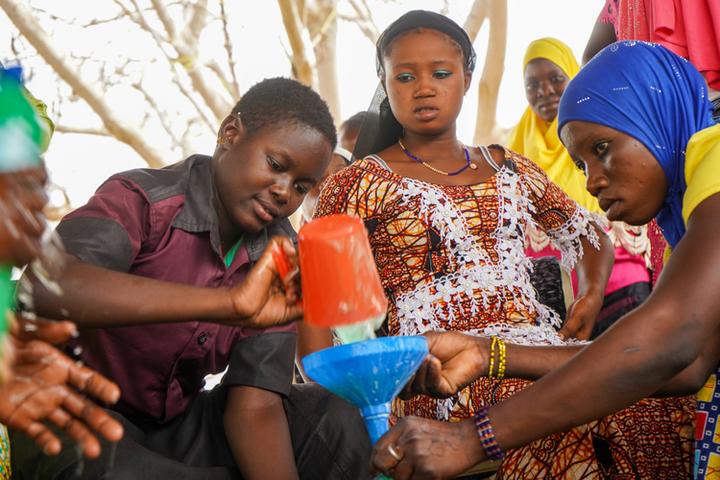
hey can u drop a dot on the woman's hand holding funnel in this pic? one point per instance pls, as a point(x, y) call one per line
point(269, 296)
point(455, 361)
point(418, 448)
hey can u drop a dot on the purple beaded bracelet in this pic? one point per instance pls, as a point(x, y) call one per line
point(486, 435)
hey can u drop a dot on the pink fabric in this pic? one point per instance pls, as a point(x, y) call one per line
point(657, 249)
point(609, 14)
point(632, 20)
point(628, 269)
point(691, 29)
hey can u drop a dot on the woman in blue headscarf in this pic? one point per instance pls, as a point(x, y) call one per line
point(637, 119)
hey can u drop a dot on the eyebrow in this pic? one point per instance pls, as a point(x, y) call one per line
point(413, 64)
point(292, 163)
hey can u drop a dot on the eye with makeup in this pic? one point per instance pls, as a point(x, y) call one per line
point(404, 78)
point(441, 74)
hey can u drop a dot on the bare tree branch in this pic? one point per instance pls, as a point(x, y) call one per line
point(301, 67)
point(365, 21)
point(214, 67)
point(27, 25)
point(160, 113)
point(187, 54)
point(235, 93)
point(321, 22)
point(446, 7)
point(197, 22)
point(100, 132)
point(476, 18)
point(485, 126)
point(164, 16)
point(139, 18)
point(201, 111)
point(120, 16)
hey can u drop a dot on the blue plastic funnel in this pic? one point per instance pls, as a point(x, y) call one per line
point(368, 374)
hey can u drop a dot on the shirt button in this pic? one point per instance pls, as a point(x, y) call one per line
point(203, 338)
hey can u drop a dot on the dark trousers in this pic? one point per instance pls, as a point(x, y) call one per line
point(618, 303)
point(328, 435)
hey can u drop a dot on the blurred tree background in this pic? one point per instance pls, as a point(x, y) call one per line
point(155, 78)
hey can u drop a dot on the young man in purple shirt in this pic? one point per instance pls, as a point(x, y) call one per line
point(168, 282)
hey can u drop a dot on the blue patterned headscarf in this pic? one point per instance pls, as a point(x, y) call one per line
point(645, 91)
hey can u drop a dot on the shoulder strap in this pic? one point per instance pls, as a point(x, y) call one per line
point(489, 158)
point(379, 161)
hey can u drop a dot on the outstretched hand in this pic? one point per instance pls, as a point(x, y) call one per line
point(455, 361)
point(265, 299)
point(48, 386)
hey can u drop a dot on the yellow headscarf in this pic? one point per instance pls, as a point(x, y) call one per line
point(538, 140)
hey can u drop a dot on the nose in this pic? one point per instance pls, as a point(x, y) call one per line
point(425, 87)
point(545, 89)
point(596, 179)
point(280, 191)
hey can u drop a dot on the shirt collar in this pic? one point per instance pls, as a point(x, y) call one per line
point(199, 214)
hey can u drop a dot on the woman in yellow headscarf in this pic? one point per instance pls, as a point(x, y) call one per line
point(548, 66)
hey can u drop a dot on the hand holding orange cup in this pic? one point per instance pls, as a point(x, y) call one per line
point(340, 282)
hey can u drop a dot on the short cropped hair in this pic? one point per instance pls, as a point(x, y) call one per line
point(354, 123)
point(280, 100)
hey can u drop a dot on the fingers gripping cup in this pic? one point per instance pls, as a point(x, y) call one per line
point(340, 283)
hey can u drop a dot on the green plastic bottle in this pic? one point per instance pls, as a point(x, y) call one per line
point(20, 141)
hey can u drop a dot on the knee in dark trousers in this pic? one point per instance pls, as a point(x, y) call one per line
point(328, 434)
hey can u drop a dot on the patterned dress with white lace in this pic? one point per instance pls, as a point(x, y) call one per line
point(452, 258)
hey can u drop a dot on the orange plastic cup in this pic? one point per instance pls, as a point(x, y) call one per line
point(340, 283)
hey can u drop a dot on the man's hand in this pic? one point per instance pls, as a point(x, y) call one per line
point(581, 317)
point(454, 362)
point(264, 299)
point(47, 385)
point(420, 449)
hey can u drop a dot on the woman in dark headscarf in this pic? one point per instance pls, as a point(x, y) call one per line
point(446, 221)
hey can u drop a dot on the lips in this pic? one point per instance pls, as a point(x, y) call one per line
point(426, 112)
point(610, 207)
point(605, 203)
point(549, 105)
point(264, 212)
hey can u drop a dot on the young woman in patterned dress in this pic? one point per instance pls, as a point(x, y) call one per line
point(446, 226)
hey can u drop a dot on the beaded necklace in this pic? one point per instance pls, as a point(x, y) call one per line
point(468, 163)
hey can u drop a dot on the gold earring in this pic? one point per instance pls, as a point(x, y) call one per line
point(221, 140)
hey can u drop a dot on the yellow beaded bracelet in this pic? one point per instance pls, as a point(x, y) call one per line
point(502, 361)
point(492, 357)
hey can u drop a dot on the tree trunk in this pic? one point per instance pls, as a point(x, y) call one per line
point(186, 47)
point(302, 71)
point(493, 67)
point(38, 38)
point(322, 25)
point(476, 18)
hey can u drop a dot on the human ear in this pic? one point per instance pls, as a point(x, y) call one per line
point(468, 81)
point(231, 130)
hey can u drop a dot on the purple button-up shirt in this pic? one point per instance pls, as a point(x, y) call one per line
point(161, 223)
